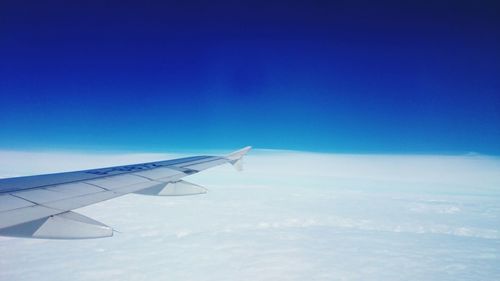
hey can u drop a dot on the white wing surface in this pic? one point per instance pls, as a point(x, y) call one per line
point(41, 206)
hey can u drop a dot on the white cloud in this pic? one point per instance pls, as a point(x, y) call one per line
point(288, 216)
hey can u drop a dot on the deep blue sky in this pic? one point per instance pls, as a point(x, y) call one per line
point(337, 76)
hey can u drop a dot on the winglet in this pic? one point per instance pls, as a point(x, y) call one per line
point(236, 157)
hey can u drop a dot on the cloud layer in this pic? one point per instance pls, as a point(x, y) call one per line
point(288, 216)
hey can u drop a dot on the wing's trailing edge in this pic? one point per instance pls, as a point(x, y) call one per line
point(177, 188)
point(41, 206)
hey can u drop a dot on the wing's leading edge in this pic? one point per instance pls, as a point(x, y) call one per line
point(41, 206)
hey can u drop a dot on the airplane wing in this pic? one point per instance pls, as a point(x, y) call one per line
point(41, 206)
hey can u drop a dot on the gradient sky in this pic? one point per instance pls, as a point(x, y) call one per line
point(334, 76)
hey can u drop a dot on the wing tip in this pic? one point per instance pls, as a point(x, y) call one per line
point(238, 154)
point(235, 158)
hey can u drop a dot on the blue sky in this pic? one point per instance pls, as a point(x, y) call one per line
point(354, 76)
